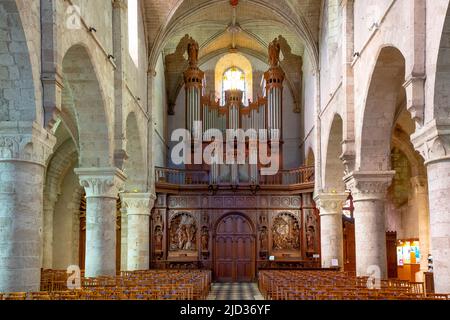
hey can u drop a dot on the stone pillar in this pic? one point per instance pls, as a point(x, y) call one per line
point(124, 239)
point(47, 247)
point(24, 150)
point(420, 191)
point(102, 187)
point(369, 194)
point(138, 207)
point(331, 237)
point(433, 142)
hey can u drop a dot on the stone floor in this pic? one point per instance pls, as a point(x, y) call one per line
point(235, 291)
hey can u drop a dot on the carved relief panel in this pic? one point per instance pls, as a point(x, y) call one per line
point(183, 235)
point(285, 232)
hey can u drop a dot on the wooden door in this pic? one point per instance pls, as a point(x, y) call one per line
point(391, 253)
point(349, 246)
point(234, 250)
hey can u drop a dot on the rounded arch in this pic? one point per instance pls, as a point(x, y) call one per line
point(442, 89)
point(134, 166)
point(234, 213)
point(381, 105)
point(334, 169)
point(18, 99)
point(94, 130)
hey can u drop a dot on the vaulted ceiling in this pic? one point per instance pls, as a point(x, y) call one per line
point(207, 21)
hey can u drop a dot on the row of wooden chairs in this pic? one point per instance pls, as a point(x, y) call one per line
point(332, 285)
point(136, 285)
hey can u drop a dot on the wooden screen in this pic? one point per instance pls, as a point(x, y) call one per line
point(234, 250)
point(349, 246)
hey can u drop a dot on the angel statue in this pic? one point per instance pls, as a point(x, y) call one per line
point(274, 53)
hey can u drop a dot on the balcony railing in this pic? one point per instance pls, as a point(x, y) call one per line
point(181, 177)
point(175, 178)
point(300, 175)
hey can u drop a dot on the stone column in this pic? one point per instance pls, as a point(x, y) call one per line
point(24, 150)
point(124, 239)
point(138, 206)
point(433, 142)
point(331, 237)
point(369, 194)
point(47, 247)
point(102, 187)
point(420, 191)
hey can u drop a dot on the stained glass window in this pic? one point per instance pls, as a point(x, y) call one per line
point(234, 79)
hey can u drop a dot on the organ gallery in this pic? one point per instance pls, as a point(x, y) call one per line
point(224, 150)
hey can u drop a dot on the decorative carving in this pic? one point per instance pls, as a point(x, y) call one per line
point(369, 185)
point(158, 238)
point(433, 141)
point(205, 239)
point(35, 147)
point(183, 231)
point(274, 53)
point(331, 203)
point(193, 49)
point(310, 229)
point(101, 182)
point(286, 232)
point(263, 239)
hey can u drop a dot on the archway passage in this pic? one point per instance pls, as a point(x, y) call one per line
point(235, 253)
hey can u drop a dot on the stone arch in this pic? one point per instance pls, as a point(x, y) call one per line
point(334, 169)
point(442, 89)
point(18, 101)
point(134, 167)
point(378, 116)
point(92, 119)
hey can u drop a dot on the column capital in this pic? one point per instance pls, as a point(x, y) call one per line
point(433, 141)
point(330, 203)
point(138, 203)
point(369, 185)
point(26, 142)
point(101, 182)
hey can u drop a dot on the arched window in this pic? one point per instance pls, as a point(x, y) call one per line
point(234, 79)
point(133, 39)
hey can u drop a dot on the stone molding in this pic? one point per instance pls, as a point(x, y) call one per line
point(433, 142)
point(25, 141)
point(369, 185)
point(101, 182)
point(330, 203)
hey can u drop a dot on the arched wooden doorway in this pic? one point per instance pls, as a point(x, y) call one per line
point(234, 250)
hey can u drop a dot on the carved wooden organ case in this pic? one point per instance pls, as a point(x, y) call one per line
point(183, 227)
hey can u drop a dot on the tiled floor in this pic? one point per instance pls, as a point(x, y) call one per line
point(235, 291)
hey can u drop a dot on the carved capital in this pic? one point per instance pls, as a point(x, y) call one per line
point(101, 182)
point(369, 185)
point(330, 203)
point(138, 203)
point(433, 141)
point(25, 141)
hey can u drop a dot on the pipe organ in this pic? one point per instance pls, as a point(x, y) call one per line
point(265, 113)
